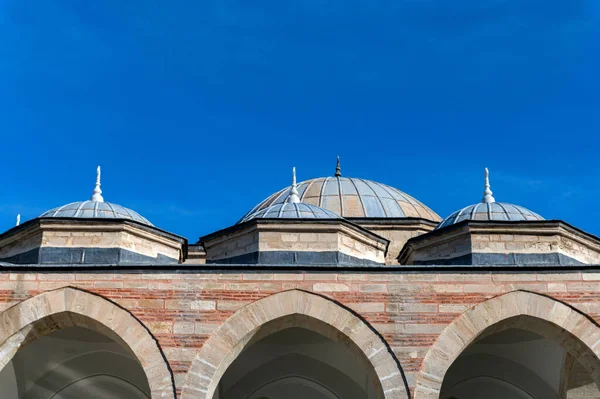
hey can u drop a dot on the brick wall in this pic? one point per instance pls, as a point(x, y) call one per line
point(408, 309)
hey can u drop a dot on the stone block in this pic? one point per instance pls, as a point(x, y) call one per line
point(183, 327)
point(203, 305)
point(330, 287)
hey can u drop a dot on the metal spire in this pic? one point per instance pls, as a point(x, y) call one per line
point(18, 219)
point(487, 193)
point(293, 197)
point(97, 196)
point(338, 168)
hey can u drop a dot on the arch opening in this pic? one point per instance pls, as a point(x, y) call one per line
point(73, 362)
point(86, 341)
point(283, 339)
point(521, 358)
point(518, 345)
point(297, 357)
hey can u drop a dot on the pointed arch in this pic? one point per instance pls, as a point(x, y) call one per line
point(242, 328)
point(68, 307)
point(548, 317)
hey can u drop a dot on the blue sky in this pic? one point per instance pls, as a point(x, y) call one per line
point(197, 110)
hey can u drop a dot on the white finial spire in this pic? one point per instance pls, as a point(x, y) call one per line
point(18, 219)
point(293, 198)
point(97, 196)
point(487, 193)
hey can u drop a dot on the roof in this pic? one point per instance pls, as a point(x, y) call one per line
point(352, 198)
point(290, 210)
point(489, 209)
point(95, 209)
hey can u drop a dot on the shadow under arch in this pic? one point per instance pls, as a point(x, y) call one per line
point(323, 315)
point(550, 318)
point(69, 307)
point(314, 384)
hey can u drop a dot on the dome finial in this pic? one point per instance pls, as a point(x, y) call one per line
point(487, 193)
point(338, 168)
point(293, 197)
point(18, 219)
point(97, 196)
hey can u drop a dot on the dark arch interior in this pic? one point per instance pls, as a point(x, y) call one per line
point(296, 361)
point(73, 363)
point(521, 358)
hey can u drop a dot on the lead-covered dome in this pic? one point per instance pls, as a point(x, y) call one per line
point(95, 208)
point(353, 198)
point(490, 210)
point(287, 210)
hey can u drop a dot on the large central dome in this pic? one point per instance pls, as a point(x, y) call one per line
point(353, 198)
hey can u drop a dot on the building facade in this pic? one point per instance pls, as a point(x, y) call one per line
point(331, 288)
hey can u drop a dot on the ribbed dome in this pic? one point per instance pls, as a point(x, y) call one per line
point(95, 209)
point(489, 209)
point(353, 198)
point(288, 210)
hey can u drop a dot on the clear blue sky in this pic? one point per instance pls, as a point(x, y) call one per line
point(197, 110)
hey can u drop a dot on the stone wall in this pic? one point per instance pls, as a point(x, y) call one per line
point(231, 245)
point(271, 243)
point(527, 243)
point(101, 242)
point(408, 309)
point(455, 247)
point(397, 234)
point(130, 239)
point(567, 244)
point(298, 241)
point(580, 385)
point(13, 248)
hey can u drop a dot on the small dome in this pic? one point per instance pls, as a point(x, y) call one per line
point(290, 210)
point(95, 209)
point(490, 211)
